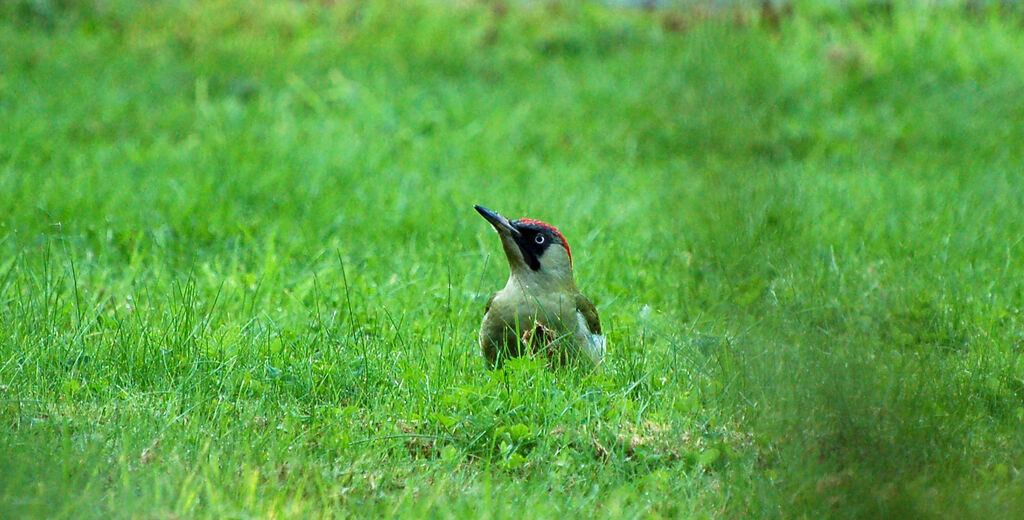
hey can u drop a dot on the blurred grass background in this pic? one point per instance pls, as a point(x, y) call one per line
point(241, 274)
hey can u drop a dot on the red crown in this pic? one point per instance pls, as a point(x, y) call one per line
point(553, 229)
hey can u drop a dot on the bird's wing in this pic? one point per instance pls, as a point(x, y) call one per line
point(589, 312)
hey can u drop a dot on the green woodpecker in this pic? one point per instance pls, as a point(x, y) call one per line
point(539, 311)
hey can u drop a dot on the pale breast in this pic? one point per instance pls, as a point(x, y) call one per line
point(556, 312)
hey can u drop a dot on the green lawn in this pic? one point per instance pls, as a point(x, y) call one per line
point(241, 274)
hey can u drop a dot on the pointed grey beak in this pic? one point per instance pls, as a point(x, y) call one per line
point(499, 222)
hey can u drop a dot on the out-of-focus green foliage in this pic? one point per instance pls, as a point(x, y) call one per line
point(240, 273)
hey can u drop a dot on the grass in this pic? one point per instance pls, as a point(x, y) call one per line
point(241, 274)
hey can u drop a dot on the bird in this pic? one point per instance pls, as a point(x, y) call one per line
point(540, 311)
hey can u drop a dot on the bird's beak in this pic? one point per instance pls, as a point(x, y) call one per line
point(515, 244)
point(499, 222)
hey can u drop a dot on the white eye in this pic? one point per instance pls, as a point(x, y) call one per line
point(539, 239)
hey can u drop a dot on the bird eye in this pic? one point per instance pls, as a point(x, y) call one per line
point(539, 239)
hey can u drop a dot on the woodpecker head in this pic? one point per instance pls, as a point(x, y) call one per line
point(536, 251)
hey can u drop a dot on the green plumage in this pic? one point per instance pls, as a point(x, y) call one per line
point(539, 311)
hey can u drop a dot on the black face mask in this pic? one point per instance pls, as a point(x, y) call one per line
point(533, 241)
